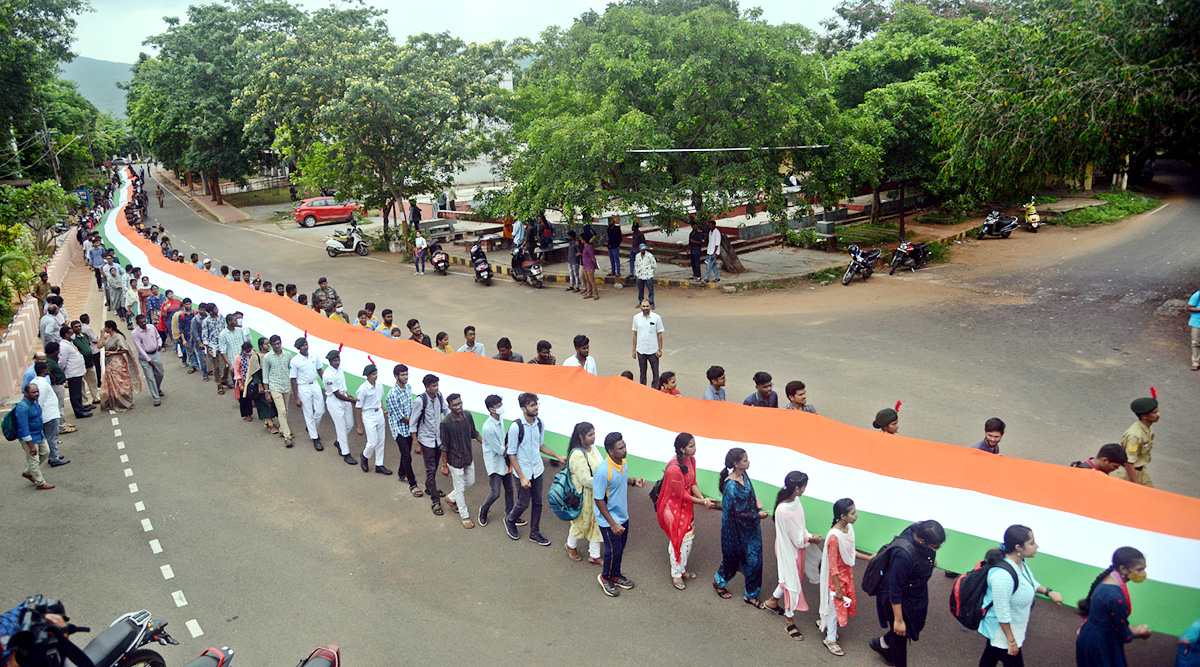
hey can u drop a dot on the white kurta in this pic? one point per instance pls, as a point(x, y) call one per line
point(341, 412)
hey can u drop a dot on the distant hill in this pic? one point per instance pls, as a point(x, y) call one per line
point(98, 80)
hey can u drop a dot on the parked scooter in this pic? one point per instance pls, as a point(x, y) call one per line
point(995, 225)
point(861, 263)
point(527, 270)
point(323, 656)
point(213, 657)
point(438, 258)
point(349, 240)
point(483, 268)
point(909, 255)
point(1032, 219)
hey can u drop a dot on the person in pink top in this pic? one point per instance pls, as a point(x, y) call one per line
point(837, 575)
point(589, 266)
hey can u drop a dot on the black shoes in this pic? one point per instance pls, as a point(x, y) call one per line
point(482, 518)
point(382, 470)
point(607, 586)
point(510, 529)
point(623, 581)
point(318, 446)
point(349, 459)
point(366, 465)
point(537, 539)
point(60, 462)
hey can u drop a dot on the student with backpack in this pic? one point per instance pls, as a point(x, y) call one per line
point(583, 459)
point(1008, 606)
point(902, 592)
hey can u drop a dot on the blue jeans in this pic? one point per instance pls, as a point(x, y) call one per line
point(50, 433)
point(712, 269)
point(614, 261)
point(614, 549)
point(419, 261)
point(642, 285)
point(197, 358)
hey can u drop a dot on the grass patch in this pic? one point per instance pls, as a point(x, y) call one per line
point(940, 218)
point(259, 197)
point(280, 216)
point(870, 234)
point(831, 274)
point(939, 253)
point(1120, 205)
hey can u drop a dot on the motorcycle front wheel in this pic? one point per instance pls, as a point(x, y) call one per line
point(362, 250)
point(487, 282)
point(332, 252)
point(143, 657)
point(537, 283)
point(1033, 228)
point(848, 276)
point(895, 264)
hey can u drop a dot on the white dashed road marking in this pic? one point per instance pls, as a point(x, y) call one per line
point(124, 458)
point(116, 432)
point(139, 506)
point(194, 628)
point(133, 488)
point(180, 601)
point(167, 572)
point(121, 444)
point(146, 527)
point(115, 421)
point(129, 472)
point(155, 547)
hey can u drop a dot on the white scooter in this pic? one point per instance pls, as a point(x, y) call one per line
point(350, 240)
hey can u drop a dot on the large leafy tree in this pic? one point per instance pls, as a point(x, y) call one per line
point(688, 79)
point(1076, 83)
point(188, 98)
point(377, 120)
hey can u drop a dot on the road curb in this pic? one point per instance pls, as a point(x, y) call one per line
point(161, 177)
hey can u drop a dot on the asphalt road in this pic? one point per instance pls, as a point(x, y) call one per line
point(277, 550)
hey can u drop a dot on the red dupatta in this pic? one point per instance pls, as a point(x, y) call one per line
point(675, 508)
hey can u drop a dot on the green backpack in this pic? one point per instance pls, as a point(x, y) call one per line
point(9, 424)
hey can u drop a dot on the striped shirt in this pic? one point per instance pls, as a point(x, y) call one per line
point(399, 406)
point(276, 372)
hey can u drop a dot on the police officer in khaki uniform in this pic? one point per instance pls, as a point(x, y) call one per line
point(1138, 441)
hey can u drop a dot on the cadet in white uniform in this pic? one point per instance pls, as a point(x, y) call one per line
point(370, 419)
point(340, 404)
point(305, 372)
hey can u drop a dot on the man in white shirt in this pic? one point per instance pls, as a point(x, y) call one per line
point(370, 418)
point(471, 345)
point(581, 358)
point(644, 264)
point(48, 326)
point(51, 411)
point(495, 461)
point(305, 373)
point(713, 253)
point(647, 341)
point(340, 404)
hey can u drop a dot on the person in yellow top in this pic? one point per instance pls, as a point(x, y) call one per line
point(364, 321)
point(338, 312)
point(1138, 441)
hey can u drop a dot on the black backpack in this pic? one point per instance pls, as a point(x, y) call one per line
point(966, 596)
point(656, 490)
point(877, 567)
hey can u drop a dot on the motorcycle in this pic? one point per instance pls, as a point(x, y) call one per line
point(438, 258)
point(483, 269)
point(213, 657)
point(909, 255)
point(1032, 219)
point(323, 656)
point(861, 263)
point(527, 270)
point(994, 225)
point(349, 240)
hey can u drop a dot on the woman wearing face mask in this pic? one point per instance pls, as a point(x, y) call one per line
point(903, 600)
point(1106, 630)
point(1009, 606)
point(582, 460)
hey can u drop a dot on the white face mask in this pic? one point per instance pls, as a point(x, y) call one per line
point(239, 321)
point(340, 309)
point(500, 411)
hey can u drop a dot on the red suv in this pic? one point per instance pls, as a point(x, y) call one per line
point(320, 210)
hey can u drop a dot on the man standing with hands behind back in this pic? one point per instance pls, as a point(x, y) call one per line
point(647, 341)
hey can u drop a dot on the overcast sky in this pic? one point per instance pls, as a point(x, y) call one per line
point(116, 28)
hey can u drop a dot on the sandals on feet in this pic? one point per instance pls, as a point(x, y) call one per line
point(753, 602)
point(689, 575)
point(678, 583)
point(416, 493)
point(775, 608)
point(721, 591)
point(794, 632)
point(835, 649)
point(573, 554)
point(437, 509)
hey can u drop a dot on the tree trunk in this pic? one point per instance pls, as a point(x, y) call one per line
point(901, 211)
point(216, 189)
point(875, 204)
point(728, 255)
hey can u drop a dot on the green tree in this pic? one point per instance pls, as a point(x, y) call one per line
point(38, 207)
point(693, 83)
point(1072, 84)
point(377, 120)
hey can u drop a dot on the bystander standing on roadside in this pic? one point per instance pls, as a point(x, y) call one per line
point(712, 272)
point(587, 262)
point(695, 247)
point(574, 254)
point(27, 417)
point(644, 264)
point(51, 412)
point(614, 246)
point(1193, 307)
point(647, 341)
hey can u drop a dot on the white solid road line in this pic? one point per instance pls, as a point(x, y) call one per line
point(1158, 209)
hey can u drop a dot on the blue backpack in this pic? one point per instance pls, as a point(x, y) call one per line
point(565, 501)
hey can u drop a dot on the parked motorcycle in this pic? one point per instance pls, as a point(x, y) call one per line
point(909, 255)
point(861, 263)
point(349, 240)
point(483, 268)
point(323, 656)
point(213, 657)
point(995, 225)
point(527, 270)
point(438, 258)
point(1032, 219)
